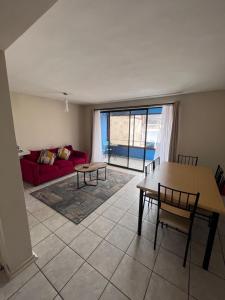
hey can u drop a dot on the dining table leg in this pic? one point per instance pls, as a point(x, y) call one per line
point(141, 208)
point(209, 246)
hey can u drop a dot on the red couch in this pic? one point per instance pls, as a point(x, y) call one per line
point(36, 173)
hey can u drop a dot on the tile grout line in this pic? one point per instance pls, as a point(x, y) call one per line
point(116, 223)
point(109, 280)
point(22, 285)
point(48, 281)
point(85, 228)
point(171, 283)
point(153, 268)
point(103, 239)
point(85, 260)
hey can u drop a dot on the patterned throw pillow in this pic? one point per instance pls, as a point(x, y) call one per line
point(46, 157)
point(64, 153)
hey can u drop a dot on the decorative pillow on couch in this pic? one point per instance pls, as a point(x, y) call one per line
point(64, 153)
point(46, 157)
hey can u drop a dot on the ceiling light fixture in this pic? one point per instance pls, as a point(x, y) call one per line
point(66, 102)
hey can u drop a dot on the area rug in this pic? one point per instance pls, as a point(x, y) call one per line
point(76, 204)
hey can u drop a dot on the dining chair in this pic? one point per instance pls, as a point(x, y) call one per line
point(149, 169)
point(176, 209)
point(157, 161)
point(200, 212)
point(218, 175)
point(221, 183)
point(187, 160)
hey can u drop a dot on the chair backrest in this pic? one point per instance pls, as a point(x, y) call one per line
point(218, 175)
point(150, 168)
point(157, 161)
point(187, 160)
point(179, 199)
point(221, 183)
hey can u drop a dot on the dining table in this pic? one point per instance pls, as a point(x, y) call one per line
point(192, 179)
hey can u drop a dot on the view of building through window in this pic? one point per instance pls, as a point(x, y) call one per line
point(153, 130)
point(131, 138)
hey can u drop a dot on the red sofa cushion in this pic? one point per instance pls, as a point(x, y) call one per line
point(61, 163)
point(33, 156)
point(48, 169)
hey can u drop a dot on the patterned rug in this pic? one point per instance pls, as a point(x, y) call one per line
point(76, 204)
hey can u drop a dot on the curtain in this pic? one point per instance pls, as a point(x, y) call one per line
point(169, 132)
point(165, 133)
point(97, 154)
point(174, 133)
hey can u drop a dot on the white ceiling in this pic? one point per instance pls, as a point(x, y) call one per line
point(17, 16)
point(106, 50)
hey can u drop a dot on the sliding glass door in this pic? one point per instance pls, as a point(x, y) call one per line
point(153, 134)
point(130, 138)
point(119, 129)
point(137, 141)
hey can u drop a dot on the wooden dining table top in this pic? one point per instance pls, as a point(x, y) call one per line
point(192, 179)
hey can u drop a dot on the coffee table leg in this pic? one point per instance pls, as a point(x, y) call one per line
point(78, 180)
point(85, 178)
point(102, 179)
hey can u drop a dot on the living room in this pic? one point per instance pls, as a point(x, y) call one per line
point(99, 112)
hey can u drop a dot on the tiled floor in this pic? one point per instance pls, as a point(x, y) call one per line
point(103, 258)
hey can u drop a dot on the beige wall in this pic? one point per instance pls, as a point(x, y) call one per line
point(201, 125)
point(42, 123)
point(15, 244)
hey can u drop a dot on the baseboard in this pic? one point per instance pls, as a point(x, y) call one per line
point(11, 274)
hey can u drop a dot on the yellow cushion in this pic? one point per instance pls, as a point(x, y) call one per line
point(64, 153)
point(46, 157)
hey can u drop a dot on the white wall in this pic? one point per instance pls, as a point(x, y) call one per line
point(15, 244)
point(42, 123)
point(202, 127)
point(201, 124)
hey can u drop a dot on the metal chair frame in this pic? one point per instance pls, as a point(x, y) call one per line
point(219, 175)
point(150, 168)
point(220, 181)
point(168, 198)
point(187, 160)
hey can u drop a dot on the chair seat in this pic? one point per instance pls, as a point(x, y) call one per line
point(176, 211)
point(152, 195)
point(175, 221)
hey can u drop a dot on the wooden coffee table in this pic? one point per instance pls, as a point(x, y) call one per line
point(89, 168)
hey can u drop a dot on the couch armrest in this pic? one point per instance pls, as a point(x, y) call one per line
point(30, 171)
point(77, 153)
